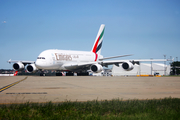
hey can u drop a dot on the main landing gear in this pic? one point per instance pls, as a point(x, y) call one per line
point(83, 74)
point(72, 74)
point(58, 73)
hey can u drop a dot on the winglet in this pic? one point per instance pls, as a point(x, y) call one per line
point(9, 61)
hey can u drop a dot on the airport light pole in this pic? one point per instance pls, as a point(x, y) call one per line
point(139, 69)
point(164, 65)
point(151, 66)
point(170, 59)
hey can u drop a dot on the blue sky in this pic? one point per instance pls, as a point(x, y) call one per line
point(145, 28)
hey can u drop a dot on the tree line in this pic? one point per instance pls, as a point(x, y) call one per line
point(175, 68)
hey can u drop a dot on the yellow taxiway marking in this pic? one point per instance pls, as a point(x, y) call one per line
point(8, 86)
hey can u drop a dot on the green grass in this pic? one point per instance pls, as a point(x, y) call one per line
point(164, 109)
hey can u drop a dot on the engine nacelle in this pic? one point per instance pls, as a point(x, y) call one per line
point(18, 66)
point(127, 66)
point(96, 68)
point(31, 68)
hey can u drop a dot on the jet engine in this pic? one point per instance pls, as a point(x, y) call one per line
point(31, 68)
point(18, 66)
point(127, 66)
point(96, 68)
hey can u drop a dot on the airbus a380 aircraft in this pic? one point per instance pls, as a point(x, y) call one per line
point(75, 61)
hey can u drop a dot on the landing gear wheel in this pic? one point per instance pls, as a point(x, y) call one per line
point(58, 74)
point(83, 74)
point(70, 74)
point(42, 73)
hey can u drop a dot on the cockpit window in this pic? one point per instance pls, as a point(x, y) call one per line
point(40, 57)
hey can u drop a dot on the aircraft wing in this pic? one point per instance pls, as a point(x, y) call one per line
point(24, 62)
point(78, 66)
point(111, 62)
point(86, 65)
point(115, 57)
point(117, 62)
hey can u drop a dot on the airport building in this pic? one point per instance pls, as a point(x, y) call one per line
point(142, 69)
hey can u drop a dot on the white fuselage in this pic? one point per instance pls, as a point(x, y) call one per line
point(56, 59)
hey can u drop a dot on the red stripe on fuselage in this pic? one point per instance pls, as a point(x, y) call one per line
point(96, 56)
point(95, 46)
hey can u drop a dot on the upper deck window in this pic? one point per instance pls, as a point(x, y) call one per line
point(40, 57)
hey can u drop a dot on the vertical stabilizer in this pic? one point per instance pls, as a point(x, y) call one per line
point(98, 41)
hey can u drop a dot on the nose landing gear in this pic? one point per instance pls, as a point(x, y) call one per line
point(42, 73)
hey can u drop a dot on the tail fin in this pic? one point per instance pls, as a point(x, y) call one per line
point(99, 39)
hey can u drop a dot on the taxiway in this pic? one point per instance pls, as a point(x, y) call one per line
point(20, 89)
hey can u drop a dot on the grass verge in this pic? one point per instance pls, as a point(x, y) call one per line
point(168, 108)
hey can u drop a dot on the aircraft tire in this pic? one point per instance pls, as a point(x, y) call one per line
point(70, 74)
point(83, 74)
point(58, 74)
point(42, 74)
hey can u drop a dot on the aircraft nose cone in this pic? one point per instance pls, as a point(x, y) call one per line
point(40, 64)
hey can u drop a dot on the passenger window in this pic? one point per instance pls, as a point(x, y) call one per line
point(40, 57)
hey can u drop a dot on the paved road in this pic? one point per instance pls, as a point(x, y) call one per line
point(59, 89)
